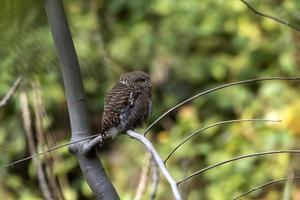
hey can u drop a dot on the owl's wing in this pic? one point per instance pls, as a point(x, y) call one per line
point(125, 107)
point(118, 98)
point(137, 111)
point(115, 101)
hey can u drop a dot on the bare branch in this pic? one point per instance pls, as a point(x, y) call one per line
point(264, 185)
point(96, 141)
point(10, 92)
point(144, 178)
point(90, 165)
point(238, 158)
point(158, 161)
point(213, 125)
point(215, 89)
point(270, 17)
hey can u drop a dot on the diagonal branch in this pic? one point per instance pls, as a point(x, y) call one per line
point(10, 92)
point(238, 158)
point(264, 185)
point(270, 17)
point(158, 161)
point(213, 125)
point(215, 89)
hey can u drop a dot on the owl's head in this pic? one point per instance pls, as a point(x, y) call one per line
point(136, 79)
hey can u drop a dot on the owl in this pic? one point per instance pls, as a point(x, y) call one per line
point(128, 104)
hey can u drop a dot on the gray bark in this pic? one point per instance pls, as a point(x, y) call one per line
point(90, 164)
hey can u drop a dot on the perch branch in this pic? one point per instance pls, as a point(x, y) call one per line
point(213, 125)
point(215, 89)
point(158, 161)
point(264, 185)
point(10, 92)
point(270, 17)
point(238, 158)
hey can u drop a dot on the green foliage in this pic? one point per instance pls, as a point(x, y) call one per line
point(187, 47)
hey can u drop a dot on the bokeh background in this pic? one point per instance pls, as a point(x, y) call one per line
point(187, 47)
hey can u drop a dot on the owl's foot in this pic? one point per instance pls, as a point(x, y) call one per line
point(98, 141)
point(101, 140)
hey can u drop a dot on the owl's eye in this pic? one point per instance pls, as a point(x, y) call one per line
point(140, 80)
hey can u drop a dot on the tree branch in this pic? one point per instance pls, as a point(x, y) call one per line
point(213, 125)
point(90, 165)
point(270, 17)
point(10, 92)
point(264, 185)
point(238, 158)
point(215, 89)
point(158, 161)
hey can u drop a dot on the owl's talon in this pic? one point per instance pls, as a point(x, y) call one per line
point(101, 140)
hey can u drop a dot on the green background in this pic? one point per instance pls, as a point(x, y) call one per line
point(187, 47)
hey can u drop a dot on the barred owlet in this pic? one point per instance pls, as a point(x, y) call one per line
point(128, 104)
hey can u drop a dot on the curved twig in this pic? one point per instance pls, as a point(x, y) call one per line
point(264, 185)
point(213, 125)
point(158, 161)
point(270, 17)
point(215, 89)
point(238, 158)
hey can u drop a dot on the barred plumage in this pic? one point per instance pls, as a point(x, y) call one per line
point(128, 104)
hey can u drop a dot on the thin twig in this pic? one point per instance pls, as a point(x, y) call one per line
point(213, 125)
point(143, 178)
point(215, 89)
point(270, 17)
point(10, 92)
point(54, 148)
point(47, 151)
point(155, 180)
point(238, 158)
point(158, 160)
point(264, 185)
